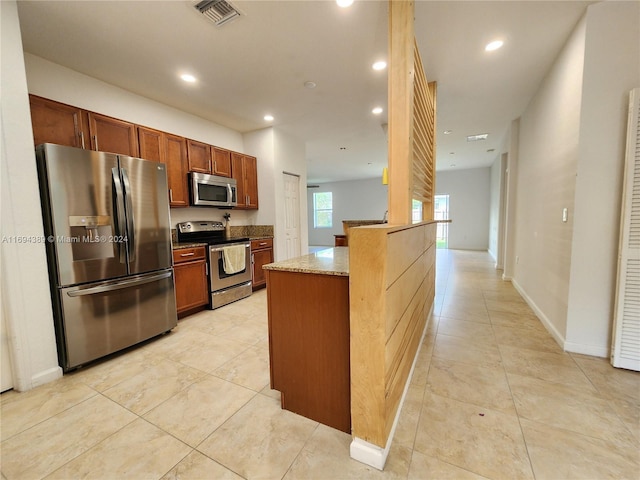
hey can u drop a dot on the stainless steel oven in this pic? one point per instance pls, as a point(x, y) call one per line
point(226, 284)
point(229, 260)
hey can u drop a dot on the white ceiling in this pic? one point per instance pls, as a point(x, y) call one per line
point(258, 64)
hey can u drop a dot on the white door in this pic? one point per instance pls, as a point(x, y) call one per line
point(625, 351)
point(6, 378)
point(292, 214)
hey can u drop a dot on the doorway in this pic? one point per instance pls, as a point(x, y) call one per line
point(441, 212)
point(292, 214)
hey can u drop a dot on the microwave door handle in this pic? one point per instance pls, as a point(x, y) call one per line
point(131, 239)
point(230, 192)
point(118, 210)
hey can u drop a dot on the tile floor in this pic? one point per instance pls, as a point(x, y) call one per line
point(493, 396)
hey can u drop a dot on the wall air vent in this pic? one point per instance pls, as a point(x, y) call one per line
point(219, 12)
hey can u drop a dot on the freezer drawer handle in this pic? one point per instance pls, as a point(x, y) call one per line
point(118, 286)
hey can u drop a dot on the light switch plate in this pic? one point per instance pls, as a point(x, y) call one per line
point(565, 214)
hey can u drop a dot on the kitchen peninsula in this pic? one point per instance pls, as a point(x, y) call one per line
point(308, 302)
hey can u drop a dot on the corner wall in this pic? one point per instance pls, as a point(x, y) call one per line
point(611, 70)
point(469, 205)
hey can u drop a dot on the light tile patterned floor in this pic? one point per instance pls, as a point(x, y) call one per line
point(493, 396)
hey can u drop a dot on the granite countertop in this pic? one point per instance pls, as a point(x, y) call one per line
point(331, 261)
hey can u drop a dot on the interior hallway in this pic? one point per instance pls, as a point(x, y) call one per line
point(492, 396)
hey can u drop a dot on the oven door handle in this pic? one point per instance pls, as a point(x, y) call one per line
point(219, 249)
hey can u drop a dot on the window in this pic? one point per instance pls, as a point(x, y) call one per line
point(322, 210)
point(416, 211)
point(441, 212)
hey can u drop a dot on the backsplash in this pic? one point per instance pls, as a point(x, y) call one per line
point(239, 231)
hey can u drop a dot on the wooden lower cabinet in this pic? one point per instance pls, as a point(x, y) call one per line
point(309, 345)
point(261, 254)
point(190, 271)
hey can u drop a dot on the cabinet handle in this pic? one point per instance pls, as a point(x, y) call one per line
point(171, 195)
point(252, 259)
point(247, 200)
point(188, 254)
point(215, 166)
point(262, 244)
point(95, 141)
point(82, 139)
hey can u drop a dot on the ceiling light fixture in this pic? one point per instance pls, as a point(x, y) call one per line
point(377, 111)
point(495, 45)
point(344, 3)
point(310, 84)
point(479, 136)
point(188, 78)
point(268, 118)
point(448, 132)
point(379, 65)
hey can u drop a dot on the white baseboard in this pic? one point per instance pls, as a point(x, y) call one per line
point(371, 454)
point(592, 350)
point(541, 316)
point(46, 376)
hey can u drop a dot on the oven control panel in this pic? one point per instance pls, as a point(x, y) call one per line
point(203, 226)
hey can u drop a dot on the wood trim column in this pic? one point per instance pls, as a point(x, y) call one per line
point(401, 76)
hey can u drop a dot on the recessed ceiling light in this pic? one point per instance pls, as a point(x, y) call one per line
point(268, 118)
point(310, 84)
point(377, 111)
point(448, 132)
point(496, 44)
point(344, 3)
point(453, 164)
point(475, 138)
point(379, 65)
point(188, 78)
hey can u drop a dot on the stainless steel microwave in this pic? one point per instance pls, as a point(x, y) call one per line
point(212, 190)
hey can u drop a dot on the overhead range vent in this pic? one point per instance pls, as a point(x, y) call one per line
point(219, 12)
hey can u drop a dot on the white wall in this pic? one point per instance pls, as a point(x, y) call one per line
point(26, 302)
point(611, 70)
point(352, 200)
point(547, 164)
point(469, 205)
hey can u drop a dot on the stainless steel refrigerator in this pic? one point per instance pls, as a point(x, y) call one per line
point(108, 239)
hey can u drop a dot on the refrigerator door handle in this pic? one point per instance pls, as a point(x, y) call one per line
point(118, 208)
point(131, 239)
point(120, 285)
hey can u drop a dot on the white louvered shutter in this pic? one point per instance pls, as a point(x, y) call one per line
point(625, 351)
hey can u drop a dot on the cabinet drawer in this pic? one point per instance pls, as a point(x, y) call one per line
point(261, 244)
point(188, 254)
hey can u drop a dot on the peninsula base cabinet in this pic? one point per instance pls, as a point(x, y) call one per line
point(309, 345)
point(190, 272)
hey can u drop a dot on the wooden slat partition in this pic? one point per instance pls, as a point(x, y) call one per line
point(391, 285)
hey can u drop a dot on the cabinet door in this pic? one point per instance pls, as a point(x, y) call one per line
point(251, 181)
point(191, 285)
point(199, 157)
point(112, 135)
point(176, 161)
point(260, 258)
point(151, 144)
point(54, 122)
point(221, 161)
point(237, 172)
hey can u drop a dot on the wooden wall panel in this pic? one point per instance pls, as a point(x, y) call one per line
point(404, 247)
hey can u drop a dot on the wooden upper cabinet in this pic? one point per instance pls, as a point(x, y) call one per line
point(199, 156)
point(244, 169)
point(58, 123)
point(221, 161)
point(151, 143)
point(112, 135)
point(176, 160)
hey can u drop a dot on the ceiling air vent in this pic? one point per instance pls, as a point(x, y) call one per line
point(218, 11)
